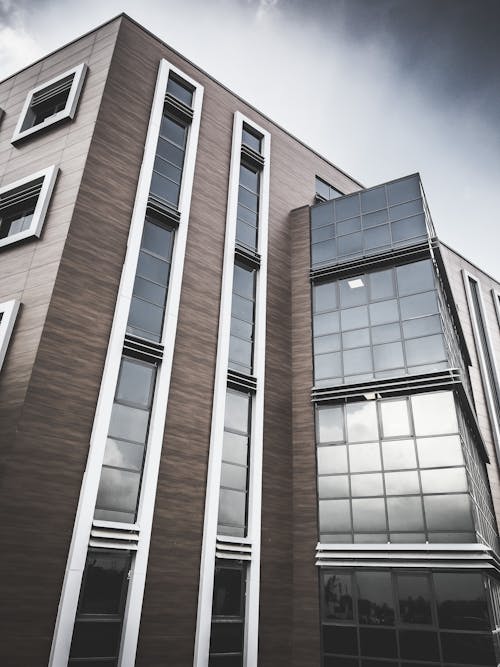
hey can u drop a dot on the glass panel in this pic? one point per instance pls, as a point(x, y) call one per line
point(246, 234)
point(327, 343)
point(179, 91)
point(338, 639)
point(336, 486)
point(368, 514)
point(249, 178)
point(362, 421)
point(399, 455)
point(425, 350)
point(415, 277)
point(378, 643)
point(434, 413)
point(118, 490)
point(242, 308)
point(367, 485)
point(436, 452)
point(234, 477)
point(157, 239)
point(419, 645)
point(422, 326)
point(408, 538)
point(375, 604)
point(243, 281)
point(408, 229)
point(321, 215)
point(336, 591)
point(357, 361)
point(250, 140)
point(365, 457)
point(325, 297)
point(330, 424)
point(237, 408)
point(384, 312)
point(227, 599)
point(226, 637)
point(389, 355)
point(353, 292)
point(461, 601)
point(95, 638)
point(235, 448)
point(356, 338)
point(381, 284)
point(146, 317)
point(240, 351)
point(354, 318)
point(386, 333)
point(351, 244)
point(405, 513)
point(105, 576)
point(347, 207)
point(401, 483)
point(414, 600)
point(129, 423)
point(395, 421)
point(326, 324)
point(373, 199)
point(232, 507)
point(451, 512)
point(403, 190)
point(121, 454)
point(332, 460)
point(334, 515)
point(444, 480)
point(348, 226)
point(405, 210)
point(419, 305)
point(149, 291)
point(327, 366)
point(468, 649)
point(135, 382)
point(377, 237)
point(164, 188)
point(374, 220)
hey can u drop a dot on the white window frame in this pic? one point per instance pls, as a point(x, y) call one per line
point(49, 176)
point(8, 310)
point(69, 110)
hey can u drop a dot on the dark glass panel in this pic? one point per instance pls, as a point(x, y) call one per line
point(96, 638)
point(357, 361)
point(232, 507)
point(146, 318)
point(237, 411)
point(336, 486)
point(404, 210)
point(321, 215)
point(13, 221)
point(468, 649)
point(322, 188)
point(348, 226)
point(367, 485)
point(354, 318)
point(153, 269)
point(353, 292)
point(129, 423)
point(372, 220)
point(250, 140)
point(448, 512)
point(403, 190)
point(247, 216)
point(332, 459)
point(362, 421)
point(375, 604)
point(173, 131)
point(399, 454)
point(338, 639)
point(235, 660)
point(235, 448)
point(118, 490)
point(377, 237)
point(180, 91)
point(168, 170)
point(148, 291)
point(104, 579)
point(373, 199)
point(418, 645)
point(123, 454)
point(336, 590)
point(227, 637)
point(249, 178)
point(243, 281)
point(334, 515)
point(248, 199)
point(379, 643)
point(351, 244)
point(165, 189)
point(339, 661)
point(347, 207)
point(365, 457)
point(228, 600)
point(135, 382)
point(368, 514)
point(405, 513)
point(414, 600)
point(157, 239)
point(415, 277)
point(408, 229)
point(246, 234)
point(461, 601)
point(384, 312)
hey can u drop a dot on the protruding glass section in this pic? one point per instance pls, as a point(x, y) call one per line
point(386, 217)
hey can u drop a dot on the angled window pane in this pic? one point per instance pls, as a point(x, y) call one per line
point(235, 448)
point(447, 480)
point(382, 285)
point(448, 512)
point(122, 454)
point(419, 305)
point(389, 355)
point(422, 326)
point(354, 318)
point(118, 490)
point(333, 486)
point(353, 292)
point(325, 297)
point(358, 360)
point(384, 312)
point(367, 485)
point(425, 350)
point(402, 483)
point(461, 601)
point(386, 333)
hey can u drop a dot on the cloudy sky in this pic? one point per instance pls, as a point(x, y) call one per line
point(382, 88)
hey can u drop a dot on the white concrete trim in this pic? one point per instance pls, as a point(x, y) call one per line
point(207, 564)
point(8, 311)
point(84, 517)
point(49, 176)
point(69, 110)
point(494, 417)
point(496, 302)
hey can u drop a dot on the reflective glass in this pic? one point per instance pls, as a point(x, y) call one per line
point(348, 226)
point(461, 601)
point(328, 365)
point(326, 324)
point(444, 480)
point(121, 454)
point(418, 305)
point(248, 199)
point(375, 603)
point(242, 308)
point(371, 220)
point(403, 190)
point(338, 639)
point(365, 457)
point(104, 578)
point(353, 292)
point(448, 512)
point(173, 130)
point(128, 423)
point(325, 297)
point(329, 343)
point(354, 318)
point(467, 649)
point(409, 228)
point(157, 239)
point(118, 490)
point(381, 284)
point(334, 515)
point(408, 538)
point(415, 277)
point(434, 413)
point(368, 514)
point(377, 237)
point(425, 350)
point(226, 638)
point(395, 421)
point(404, 210)
point(321, 214)
point(384, 312)
point(378, 643)
point(145, 289)
point(153, 268)
point(245, 233)
point(234, 477)
point(232, 507)
point(135, 382)
point(357, 338)
point(357, 361)
point(330, 424)
point(401, 483)
point(227, 596)
point(389, 355)
point(347, 207)
point(351, 244)
point(146, 318)
point(237, 409)
point(95, 638)
point(405, 513)
point(399, 454)
point(386, 333)
point(336, 486)
point(180, 91)
point(373, 199)
point(367, 485)
point(243, 281)
point(362, 421)
point(235, 448)
point(249, 178)
point(437, 452)
point(422, 326)
point(332, 459)
point(249, 139)
point(419, 645)
point(336, 591)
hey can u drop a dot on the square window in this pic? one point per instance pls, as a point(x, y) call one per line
point(50, 102)
point(23, 206)
point(8, 314)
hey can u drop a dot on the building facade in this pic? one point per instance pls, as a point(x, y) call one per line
point(250, 410)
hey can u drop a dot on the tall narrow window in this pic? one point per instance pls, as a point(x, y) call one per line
point(99, 617)
point(167, 172)
point(228, 615)
point(248, 207)
point(234, 478)
point(242, 319)
point(125, 447)
point(147, 308)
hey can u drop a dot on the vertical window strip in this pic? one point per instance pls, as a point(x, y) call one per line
point(242, 319)
point(248, 207)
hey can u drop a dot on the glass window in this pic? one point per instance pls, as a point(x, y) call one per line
point(336, 591)
point(330, 424)
point(118, 492)
point(389, 355)
point(367, 485)
point(467, 649)
point(129, 423)
point(250, 139)
point(381, 285)
point(418, 645)
point(326, 324)
point(403, 190)
point(368, 514)
point(135, 382)
point(365, 457)
point(181, 91)
point(353, 292)
point(415, 277)
point(418, 305)
point(227, 598)
point(379, 643)
point(402, 483)
point(332, 460)
point(354, 318)
point(425, 350)
point(405, 513)
point(357, 361)
point(399, 454)
point(325, 297)
point(395, 421)
point(434, 413)
point(440, 451)
point(232, 512)
point(386, 333)
point(422, 326)
point(383, 312)
point(336, 486)
point(334, 516)
point(362, 421)
point(347, 207)
point(375, 603)
point(328, 365)
point(444, 480)
point(461, 601)
point(373, 199)
point(237, 411)
point(448, 512)
point(338, 639)
point(414, 599)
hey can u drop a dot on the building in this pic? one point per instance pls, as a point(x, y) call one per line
point(249, 408)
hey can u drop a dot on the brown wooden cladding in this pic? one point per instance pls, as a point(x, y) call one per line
point(49, 382)
point(46, 467)
point(455, 263)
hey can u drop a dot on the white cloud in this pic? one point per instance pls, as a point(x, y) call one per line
point(17, 48)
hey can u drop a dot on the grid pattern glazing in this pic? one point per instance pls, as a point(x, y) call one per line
point(364, 223)
point(393, 470)
point(233, 498)
point(242, 319)
point(247, 221)
point(379, 324)
point(382, 617)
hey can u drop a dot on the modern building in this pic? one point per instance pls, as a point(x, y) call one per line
point(250, 409)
